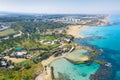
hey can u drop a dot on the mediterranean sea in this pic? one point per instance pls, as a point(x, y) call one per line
point(106, 38)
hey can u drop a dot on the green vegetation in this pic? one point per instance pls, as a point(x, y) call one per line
point(7, 32)
point(26, 74)
point(33, 34)
point(27, 69)
point(49, 37)
point(37, 27)
point(36, 59)
point(24, 42)
point(30, 43)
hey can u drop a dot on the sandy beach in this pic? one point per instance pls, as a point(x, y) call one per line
point(49, 60)
point(74, 30)
point(46, 75)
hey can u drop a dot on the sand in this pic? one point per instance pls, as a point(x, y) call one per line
point(50, 59)
point(46, 75)
point(74, 30)
point(80, 58)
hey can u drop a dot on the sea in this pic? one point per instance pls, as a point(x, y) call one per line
point(106, 38)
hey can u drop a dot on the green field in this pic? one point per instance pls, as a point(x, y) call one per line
point(26, 74)
point(7, 32)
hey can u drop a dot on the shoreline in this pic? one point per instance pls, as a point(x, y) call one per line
point(72, 30)
point(75, 29)
point(46, 74)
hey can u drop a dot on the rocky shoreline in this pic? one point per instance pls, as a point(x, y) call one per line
point(103, 73)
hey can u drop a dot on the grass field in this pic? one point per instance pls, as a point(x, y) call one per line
point(7, 32)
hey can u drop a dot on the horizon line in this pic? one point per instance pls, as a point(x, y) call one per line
point(13, 12)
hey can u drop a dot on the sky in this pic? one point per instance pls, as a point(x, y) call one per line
point(60, 6)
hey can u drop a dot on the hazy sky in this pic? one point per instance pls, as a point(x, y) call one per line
point(60, 6)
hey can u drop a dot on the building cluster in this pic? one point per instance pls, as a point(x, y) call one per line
point(63, 50)
point(58, 41)
point(5, 63)
point(68, 20)
point(19, 54)
point(4, 26)
point(85, 20)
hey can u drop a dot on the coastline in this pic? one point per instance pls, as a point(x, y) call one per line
point(74, 30)
point(46, 74)
point(71, 30)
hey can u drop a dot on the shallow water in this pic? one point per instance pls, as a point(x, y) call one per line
point(74, 72)
point(110, 43)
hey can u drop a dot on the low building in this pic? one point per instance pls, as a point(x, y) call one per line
point(3, 63)
point(29, 56)
point(21, 54)
point(47, 42)
point(11, 67)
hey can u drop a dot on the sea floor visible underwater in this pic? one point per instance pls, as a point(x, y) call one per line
point(106, 38)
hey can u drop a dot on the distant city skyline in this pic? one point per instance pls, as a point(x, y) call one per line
point(61, 6)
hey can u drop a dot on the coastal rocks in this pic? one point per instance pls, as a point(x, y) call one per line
point(94, 37)
point(104, 73)
point(112, 23)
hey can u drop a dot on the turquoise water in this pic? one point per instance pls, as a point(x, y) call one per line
point(109, 42)
point(110, 36)
point(74, 72)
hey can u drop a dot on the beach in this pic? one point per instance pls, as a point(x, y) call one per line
point(71, 30)
point(50, 59)
point(46, 74)
point(74, 30)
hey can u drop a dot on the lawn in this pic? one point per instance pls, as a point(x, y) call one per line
point(7, 32)
point(48, 37)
